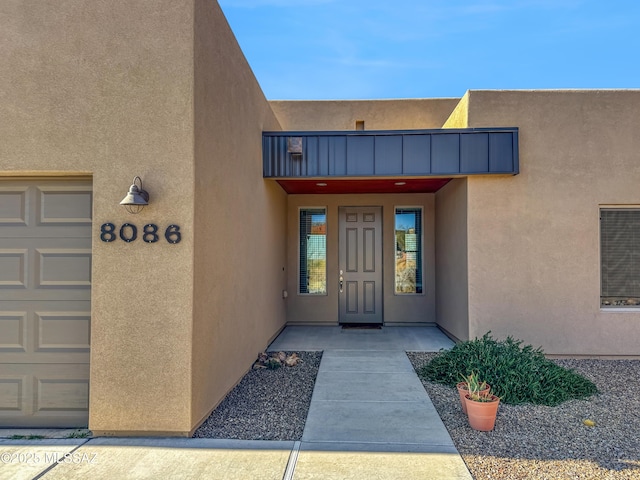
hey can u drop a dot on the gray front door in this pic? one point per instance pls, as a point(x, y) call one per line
point(360, 264)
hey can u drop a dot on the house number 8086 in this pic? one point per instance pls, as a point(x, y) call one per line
point(129, 232)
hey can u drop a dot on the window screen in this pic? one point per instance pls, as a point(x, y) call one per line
point(408, 250)
point(313, 251)
point(620, 257)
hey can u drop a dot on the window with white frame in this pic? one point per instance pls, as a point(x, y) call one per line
point(408, 250)
point(313, 251)
point(619, 257)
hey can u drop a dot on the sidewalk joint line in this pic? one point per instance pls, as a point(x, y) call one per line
point(291, 463)
point(54, 465)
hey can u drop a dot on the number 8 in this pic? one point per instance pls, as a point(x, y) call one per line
point(107, 232)
point(150, 233)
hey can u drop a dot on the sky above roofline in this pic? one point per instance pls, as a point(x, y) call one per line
point(356, 49)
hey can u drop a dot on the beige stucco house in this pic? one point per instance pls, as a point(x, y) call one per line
point(516, 212)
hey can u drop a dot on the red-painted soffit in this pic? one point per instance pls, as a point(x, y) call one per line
point(396, 185)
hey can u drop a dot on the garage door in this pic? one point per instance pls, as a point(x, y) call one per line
point(45, 302)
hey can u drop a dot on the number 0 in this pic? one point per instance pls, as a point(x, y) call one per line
point(134, 232)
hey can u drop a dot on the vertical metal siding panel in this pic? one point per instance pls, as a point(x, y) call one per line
point(273, 158)
point(338, 153)
point(323, 156)
point(276, 162)
point(445, 153)
point(311, 157)
point(474, 153)
point(388, 155)
point(416, 154)
point(295, 161)
point(516, 152)
point(501, 152)
point(360, 155)
point(282, 155)
point(266, 157)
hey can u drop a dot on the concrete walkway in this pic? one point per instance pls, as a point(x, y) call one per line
point(370, 418)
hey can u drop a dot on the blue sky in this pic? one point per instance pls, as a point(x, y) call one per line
point(362, 49)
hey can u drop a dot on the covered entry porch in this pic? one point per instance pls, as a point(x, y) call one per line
point(363, 215)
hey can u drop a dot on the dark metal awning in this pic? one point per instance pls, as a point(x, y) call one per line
point(375, 157)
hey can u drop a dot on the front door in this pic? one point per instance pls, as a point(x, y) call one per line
point(360, 264)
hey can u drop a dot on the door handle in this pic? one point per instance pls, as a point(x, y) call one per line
point(341, 282)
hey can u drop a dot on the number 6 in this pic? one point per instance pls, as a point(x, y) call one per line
point(172, 234)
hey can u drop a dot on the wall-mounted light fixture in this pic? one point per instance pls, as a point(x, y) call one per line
point(294, 145)
point(137, 198)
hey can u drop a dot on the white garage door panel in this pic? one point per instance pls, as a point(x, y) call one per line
point(13, 332)
point(61, 271)
point(45, 302)
point(63, 331)
point(63, 267)
point(13, 267)
point(69, 205)
point(45, 203)
point(44, 395)
point(31, 331)
point(13, 205)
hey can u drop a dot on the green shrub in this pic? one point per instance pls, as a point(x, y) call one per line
point(517, 374)
point(273, 364)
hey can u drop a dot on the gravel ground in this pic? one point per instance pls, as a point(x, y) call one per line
point(528, 442)
point(266, 404)
point(538, 442)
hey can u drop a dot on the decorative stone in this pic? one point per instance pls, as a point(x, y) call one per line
point(292, 360)
point(276, 360)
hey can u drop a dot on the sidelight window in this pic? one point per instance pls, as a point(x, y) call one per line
point(313, 251)
point(408, 250)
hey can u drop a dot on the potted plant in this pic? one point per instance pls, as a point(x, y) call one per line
point(463, 388)
point(482, 407)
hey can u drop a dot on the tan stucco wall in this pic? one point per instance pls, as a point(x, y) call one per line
point(534, 264)
point(318, 309)
point(105, 88)
point(452, 303)
point(161, 90)
point(377, 114)
point(240, 222)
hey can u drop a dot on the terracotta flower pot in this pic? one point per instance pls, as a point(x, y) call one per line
point(463, 390)
point(482, 415)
